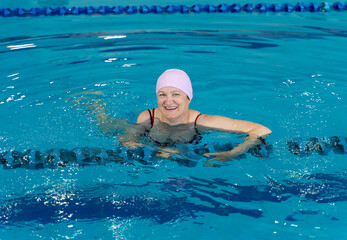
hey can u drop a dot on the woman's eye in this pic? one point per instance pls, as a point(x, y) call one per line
point(176, 94)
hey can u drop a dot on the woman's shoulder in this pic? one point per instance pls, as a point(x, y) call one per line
point(206, 119)
point(144, 116)
point(193, 112)
point(193, 115)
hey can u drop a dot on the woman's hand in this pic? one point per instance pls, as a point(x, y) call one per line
point(162, 154)
point(131, 144)
point(166, 152)
point(223, 156)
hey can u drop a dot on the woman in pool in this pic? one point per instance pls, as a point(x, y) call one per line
point(172, 122)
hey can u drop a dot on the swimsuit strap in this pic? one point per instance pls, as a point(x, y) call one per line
point(196, 119)
point(151, 116)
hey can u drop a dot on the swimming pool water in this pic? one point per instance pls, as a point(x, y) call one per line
point(285, 71)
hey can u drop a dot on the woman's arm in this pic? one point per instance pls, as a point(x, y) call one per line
point(95, 106)
point(256, 133)
point(131, 137)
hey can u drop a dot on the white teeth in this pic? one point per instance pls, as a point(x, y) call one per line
point(170, 108)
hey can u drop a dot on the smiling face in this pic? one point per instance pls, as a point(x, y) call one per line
point(173, 104)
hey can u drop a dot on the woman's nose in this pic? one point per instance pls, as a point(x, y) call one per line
point(169, 99)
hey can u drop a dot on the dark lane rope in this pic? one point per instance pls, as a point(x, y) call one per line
point(169, 9)
point(189, 156)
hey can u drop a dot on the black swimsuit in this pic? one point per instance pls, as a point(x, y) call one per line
point(195, 140)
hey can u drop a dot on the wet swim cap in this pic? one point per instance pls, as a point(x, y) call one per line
point(175, 78)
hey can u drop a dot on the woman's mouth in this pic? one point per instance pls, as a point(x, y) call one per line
point(170, 108)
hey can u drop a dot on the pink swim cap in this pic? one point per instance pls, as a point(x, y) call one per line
point(175, 78)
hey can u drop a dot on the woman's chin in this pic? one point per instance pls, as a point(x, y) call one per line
point(170, 115)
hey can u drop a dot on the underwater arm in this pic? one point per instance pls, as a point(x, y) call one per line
point(255, 132)
point(96, 107)
point(132, 135)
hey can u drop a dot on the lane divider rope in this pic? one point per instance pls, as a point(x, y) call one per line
point(188, 155)
point(170, 9)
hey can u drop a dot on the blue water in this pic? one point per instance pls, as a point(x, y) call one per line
point(286, 71)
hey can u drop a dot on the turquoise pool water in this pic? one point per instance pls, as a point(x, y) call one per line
point(286, 71)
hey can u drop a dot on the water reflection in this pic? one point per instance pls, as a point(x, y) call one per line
point(23, 46)
point(174, 199)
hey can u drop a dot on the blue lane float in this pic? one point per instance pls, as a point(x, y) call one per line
point(170, 9)
point(189, 155)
